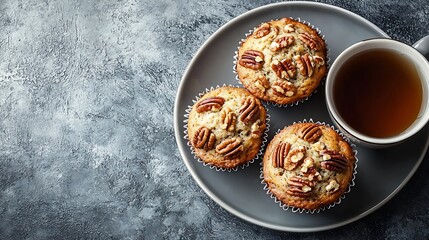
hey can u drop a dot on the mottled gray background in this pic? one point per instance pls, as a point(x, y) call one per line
point(87, 148)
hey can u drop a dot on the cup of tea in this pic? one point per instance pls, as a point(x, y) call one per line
point(377, 91)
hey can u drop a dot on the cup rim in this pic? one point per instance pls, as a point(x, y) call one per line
point(420, 122)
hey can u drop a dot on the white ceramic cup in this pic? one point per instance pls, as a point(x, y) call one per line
point(413, 53)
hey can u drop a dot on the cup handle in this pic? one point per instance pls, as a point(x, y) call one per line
point(422, 45)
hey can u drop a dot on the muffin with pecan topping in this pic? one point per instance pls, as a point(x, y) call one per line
point(308, 166)
point(282, 61)
point(226, 127)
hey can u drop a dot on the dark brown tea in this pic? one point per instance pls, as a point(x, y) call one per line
point(378, 93)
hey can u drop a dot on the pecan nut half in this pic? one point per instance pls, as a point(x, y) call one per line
point(249, 110)
point(284, 69)
point(309, 170)
point(281, 42)
point(294, 158)
point(228, 120)
point(334, 161)
point(305, 65)
point(311, 41)
point(230, 147)
point(283, 88)
point(285, 157)
point(262, 30)
point(279, 154)
point(262, 83)
point(204, 139)
point(209, 104)
point(289, 66)
point(299, 187)
point(310, 133)
point(252, 59)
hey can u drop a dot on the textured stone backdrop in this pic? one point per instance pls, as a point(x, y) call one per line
point(87, 148)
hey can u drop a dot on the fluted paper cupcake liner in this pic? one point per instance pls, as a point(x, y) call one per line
point(236, 168)
point(312, 211)
point(322, 81)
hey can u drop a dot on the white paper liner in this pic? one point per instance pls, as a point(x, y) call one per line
point(242, 166)
point(322, 81)
point(312, 211)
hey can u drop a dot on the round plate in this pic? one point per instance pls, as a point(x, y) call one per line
point(380, 174)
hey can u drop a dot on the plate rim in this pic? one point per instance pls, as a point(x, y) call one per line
point(220, 202)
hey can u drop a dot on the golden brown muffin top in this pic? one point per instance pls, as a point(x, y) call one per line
point(283, 61)
point(225, 127)
point(308, 165)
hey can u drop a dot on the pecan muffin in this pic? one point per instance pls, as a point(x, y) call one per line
point(308, 166)
point(226, 127)
point(282, 61)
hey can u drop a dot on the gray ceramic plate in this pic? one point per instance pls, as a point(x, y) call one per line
point(381, 173)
